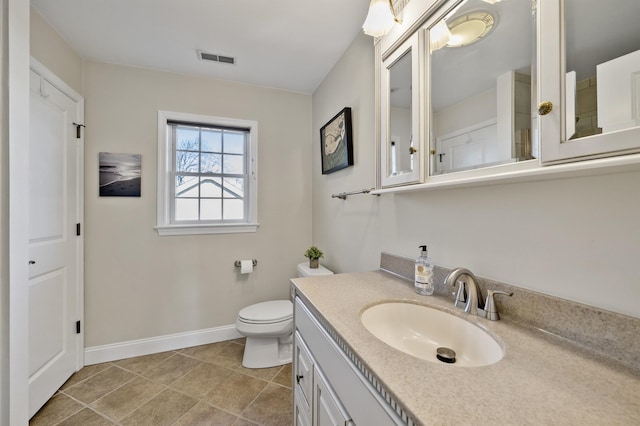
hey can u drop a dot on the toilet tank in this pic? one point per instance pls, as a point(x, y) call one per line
point(305, 271)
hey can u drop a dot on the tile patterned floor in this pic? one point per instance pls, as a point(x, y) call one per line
point(202, 385)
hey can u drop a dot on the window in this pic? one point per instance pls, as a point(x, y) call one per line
point(206, 174)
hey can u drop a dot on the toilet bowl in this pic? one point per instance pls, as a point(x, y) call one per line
point(268, 327)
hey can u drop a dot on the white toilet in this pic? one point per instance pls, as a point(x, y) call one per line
point(268, 327)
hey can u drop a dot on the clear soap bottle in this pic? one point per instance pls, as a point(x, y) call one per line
point(424, 273)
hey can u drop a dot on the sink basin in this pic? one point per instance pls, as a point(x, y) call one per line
point(420, 330)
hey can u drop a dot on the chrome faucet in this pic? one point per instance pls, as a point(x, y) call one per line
point(468, 291)
point(469, 297)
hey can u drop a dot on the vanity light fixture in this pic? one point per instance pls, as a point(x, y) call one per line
point(469, 28)
point(380, 19)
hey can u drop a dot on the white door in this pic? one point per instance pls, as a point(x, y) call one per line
point(54, 248)
point(469, 148)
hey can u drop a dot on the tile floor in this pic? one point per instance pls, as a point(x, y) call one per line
point(202, 385)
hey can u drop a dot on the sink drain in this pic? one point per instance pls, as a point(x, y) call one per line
point(446, 355)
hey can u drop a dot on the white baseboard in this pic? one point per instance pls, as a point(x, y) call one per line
point(117, 351)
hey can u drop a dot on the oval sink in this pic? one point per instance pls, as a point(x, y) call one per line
point(420, 330)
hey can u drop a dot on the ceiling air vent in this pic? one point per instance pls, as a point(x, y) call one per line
point(204, 56)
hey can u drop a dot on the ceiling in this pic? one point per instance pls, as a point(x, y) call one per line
point(283, 44)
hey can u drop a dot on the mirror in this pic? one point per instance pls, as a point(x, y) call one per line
point(481, 65)
point(602, 87)
point(400, 129)
point(400, 150)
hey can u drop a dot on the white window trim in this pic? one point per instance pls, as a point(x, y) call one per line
point(163, 221)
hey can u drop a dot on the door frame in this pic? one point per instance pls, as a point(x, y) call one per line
point(15, 371)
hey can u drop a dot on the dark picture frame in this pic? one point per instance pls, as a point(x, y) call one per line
point(119, 174)
point(336, 142)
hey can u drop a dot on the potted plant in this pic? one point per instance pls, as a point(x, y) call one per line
point(314, 254)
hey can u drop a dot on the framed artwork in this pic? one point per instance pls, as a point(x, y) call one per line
point(336, 144)
point(120, 174)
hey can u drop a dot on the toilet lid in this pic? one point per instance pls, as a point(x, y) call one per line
point(267, 312)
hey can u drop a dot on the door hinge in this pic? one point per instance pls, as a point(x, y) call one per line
point(77, 229)
point(78, 127)
point(77, 327)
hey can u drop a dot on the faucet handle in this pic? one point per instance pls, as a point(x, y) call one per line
point(461, 295)
point(490, 304)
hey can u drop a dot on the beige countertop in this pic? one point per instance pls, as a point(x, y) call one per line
point(542, 379)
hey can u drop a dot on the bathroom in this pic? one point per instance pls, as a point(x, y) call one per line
point(574, 238)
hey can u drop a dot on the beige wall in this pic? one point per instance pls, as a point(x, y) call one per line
point(573, 238)
point(48, 47)
point(138, 284)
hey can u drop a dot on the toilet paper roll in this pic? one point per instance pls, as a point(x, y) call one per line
point(246, 266)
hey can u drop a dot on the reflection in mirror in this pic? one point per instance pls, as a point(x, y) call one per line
point(400, 135)
point(602, 83)
point(482, 76)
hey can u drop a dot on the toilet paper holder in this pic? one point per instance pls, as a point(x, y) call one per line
point(237, 263)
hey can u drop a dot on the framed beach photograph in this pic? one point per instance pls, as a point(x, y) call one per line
point(336, 144)
point(120, 174)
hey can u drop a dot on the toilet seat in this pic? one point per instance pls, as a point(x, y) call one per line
point(271, 312)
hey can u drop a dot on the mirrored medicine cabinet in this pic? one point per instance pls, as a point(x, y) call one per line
point(478, 88)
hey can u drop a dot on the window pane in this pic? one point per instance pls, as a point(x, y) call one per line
point(211, 209)
point(209, 173)
point(186, 209)
point(233, 188)
point(233, 142)
point(233, 164)
point(187, 138)
point(211, 163)
point(210, 187)
point(187, 161)
point(233, 209)
point(186, 186)
point(211, 140)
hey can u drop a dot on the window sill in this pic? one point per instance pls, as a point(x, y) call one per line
point(198, 229)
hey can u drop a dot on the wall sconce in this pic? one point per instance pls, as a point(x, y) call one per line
point(380, 19)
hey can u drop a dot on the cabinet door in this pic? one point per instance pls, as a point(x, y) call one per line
point(401, 147)
point(327, 409)
point(303, 370)
point(591, 78)
point(302, 413)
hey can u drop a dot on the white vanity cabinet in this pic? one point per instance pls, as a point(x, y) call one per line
point(315, 402)
point(328, 388)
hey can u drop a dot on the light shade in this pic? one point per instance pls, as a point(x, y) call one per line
point(380, 18)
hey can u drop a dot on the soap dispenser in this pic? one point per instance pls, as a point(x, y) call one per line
point(424, 273)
